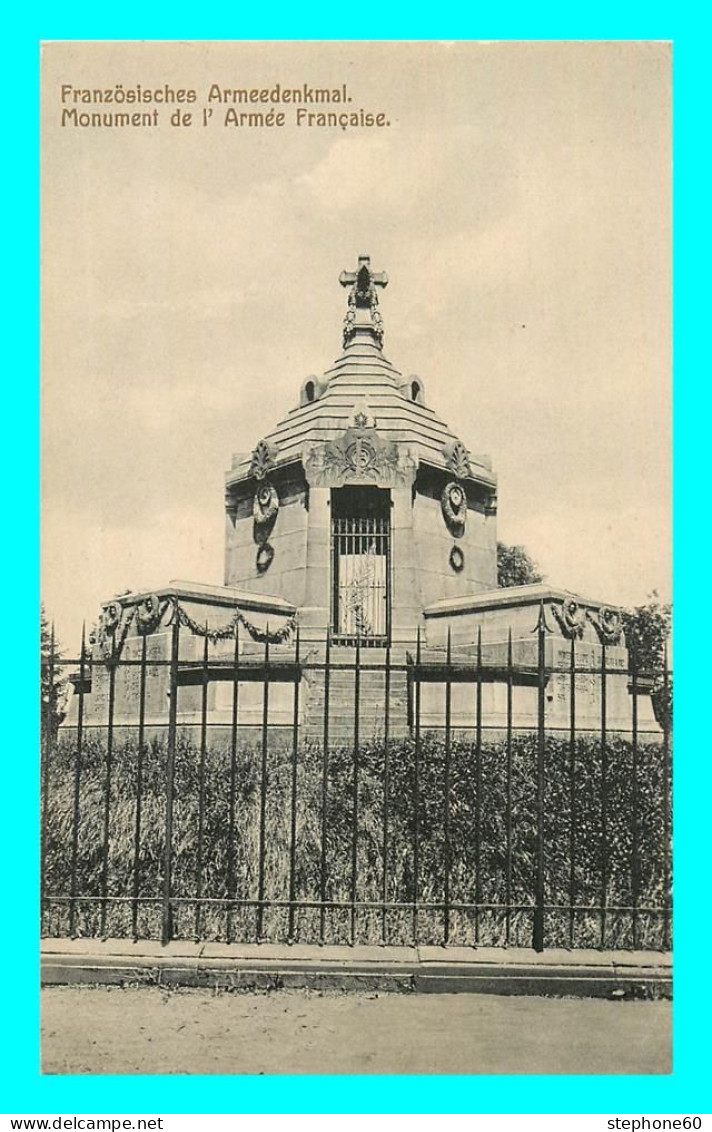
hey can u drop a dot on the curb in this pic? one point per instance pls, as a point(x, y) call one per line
point(576, 979)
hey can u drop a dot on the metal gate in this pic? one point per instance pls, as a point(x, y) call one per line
point(361, 560)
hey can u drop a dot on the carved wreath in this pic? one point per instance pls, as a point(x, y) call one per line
point(149, 613)
point(265, 504)
point(454, 505)
point(570, 617)
point(608, 623)
point(111, 617)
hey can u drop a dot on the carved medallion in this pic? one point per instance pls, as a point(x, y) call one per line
point(454, 504)
point(608, 624)
point(570, 618)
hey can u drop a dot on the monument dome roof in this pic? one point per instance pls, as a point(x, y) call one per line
point(362, 381)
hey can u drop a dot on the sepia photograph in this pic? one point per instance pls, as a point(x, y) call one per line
point(356, 562)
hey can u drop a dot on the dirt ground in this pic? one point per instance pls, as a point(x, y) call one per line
point(150, 1030)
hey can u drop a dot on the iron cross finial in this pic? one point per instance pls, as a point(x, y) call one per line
point(363, 297)
point(364, 279)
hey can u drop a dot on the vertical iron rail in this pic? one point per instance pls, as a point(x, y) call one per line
point(201, 788)
point(604, 800)
point(508, 881)
point(167, 909)
point(539, 895)
point(634, 869)
point(46, 747)
point(324, 791)
point(572, 792)
point(354, 826)
point(76, 816)
point(231, 862)
point(293, 798)
point(416, 792)
point(478, 787)
point(386, 788)
point(667, 791)
point(263, 797)
point(107, 789)
point(448, 756)
point(139, 789)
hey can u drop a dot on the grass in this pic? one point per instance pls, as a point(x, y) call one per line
point(615, 829)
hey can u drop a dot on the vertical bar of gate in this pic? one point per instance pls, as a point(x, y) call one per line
point(167, 909)
point(539, 896)
point(293, 799)
point(201, 787)
point(263, 797)
point(139, 788)
point(324, 791)
point(667, 790)
point(386, 788)
point(634, 874)
point(416, 792)
point(508, 889)
point(77, 793)
point(231, 863)
point(604, 800)
point(107, 788)
point(478, 787)
point(354, 826)
point(572, 791)
point(448, 755)
point(46, 747)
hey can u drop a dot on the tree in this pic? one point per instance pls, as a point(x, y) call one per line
point(515, 567)
point(53, 688)
point(647, 630)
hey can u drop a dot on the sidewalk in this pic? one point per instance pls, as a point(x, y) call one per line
point(243, 966)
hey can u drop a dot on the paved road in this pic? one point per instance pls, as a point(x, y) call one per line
point(151, 1030)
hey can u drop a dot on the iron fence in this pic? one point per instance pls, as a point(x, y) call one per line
point(447, 836)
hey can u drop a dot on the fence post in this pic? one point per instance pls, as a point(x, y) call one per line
point(604, 800)
point(201, 787)
point(324, 790)
point(478, 788)
point(446, 822)
point(48, 722)
point(634, 869)
point(231, 864)
point(77, 793)
point(386, 788)
point(112, 662)
point(508, 890)
point(263, 794)
point(572, 792)
point(139, 787)
point(539, 898)
point(167, 916)
point(416, 790)
point(354, 820)
point(293, 797)
point(667, 790)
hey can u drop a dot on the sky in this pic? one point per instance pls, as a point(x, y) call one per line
point(520, 201)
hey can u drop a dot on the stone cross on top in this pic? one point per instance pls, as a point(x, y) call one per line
point(363, 298)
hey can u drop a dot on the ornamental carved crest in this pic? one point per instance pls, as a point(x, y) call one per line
point(358, 456)
point(608, 624)
point(454, 504)
point(262, 460)
point(457, 460)
point(570, 618)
